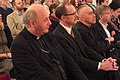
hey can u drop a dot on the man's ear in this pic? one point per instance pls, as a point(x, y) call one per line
point(63, 17)
point(32, 22)
point(82, 18)
point(100, 16)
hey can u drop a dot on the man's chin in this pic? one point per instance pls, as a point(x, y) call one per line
point(46, 31)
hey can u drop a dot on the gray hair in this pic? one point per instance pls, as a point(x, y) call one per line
point(29, 15)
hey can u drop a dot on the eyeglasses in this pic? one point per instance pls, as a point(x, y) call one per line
point(70, 14)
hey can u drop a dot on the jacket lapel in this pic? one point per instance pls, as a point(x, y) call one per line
point(34, 46)
point(102, 30)
point(52, 45)
point(80, 42)
point(66, 35)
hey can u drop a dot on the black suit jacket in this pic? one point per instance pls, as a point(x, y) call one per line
point(100, 34)
point(31, 63)
point(91, 39)
point(82, 54)
point(94, 37)
point(98, 27)
point(86, 58)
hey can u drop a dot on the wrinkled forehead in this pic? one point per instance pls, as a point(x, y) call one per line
point(86, 10)
point(43, 13)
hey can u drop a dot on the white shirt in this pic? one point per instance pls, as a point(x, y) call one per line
point(67, 28)
point(105, 29)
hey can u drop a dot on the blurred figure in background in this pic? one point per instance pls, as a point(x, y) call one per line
point(47, 3)
point(35, 1)
point(103, 2)
point(5, 11)
point(115, 6)
point(26, 4)
point(5, 63)
point(81, 2)
point(54, 20)
point(15, 19)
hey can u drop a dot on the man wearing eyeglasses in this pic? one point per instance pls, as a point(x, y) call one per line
point(93, 65)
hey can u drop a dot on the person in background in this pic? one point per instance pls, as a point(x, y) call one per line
point(5, 55)
point(47, 3)
point(15, 19)
point(90, 4)
point(35, 1)
point(36, 53)
point(103, 2)
point(115, 9)
point(5, 11)
point(56, 1)
point(81, 2)
point(54, 20)
point(106, 30)
point(26, 4)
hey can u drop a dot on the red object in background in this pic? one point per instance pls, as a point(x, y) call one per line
point(4, 76)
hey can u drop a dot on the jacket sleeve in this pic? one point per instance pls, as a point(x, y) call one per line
point(97, 45)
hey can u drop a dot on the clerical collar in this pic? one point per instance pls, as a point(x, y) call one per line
point(33, 36)
point(68, 29)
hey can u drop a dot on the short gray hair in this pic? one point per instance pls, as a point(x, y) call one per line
point(28, 15)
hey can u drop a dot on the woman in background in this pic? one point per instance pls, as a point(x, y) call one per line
point(5, 55)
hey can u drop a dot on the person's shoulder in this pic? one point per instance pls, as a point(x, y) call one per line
point(19, 38)
point(9, 10)
point(48, 35)
point(12, 13)
point(78, 25)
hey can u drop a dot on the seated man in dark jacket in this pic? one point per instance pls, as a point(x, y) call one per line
point(90, 62)
point(94, 35)
point(36, 55)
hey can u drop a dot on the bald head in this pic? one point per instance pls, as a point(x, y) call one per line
point(33, 11)
point(35, 7)
point(36, 19)
point(86, 15)
point(82, 10)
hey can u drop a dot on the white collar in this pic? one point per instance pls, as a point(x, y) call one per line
point(66, 28)
point(104, 26)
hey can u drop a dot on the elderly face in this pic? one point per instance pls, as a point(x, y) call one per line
point(88, 16)
point(42, 22)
